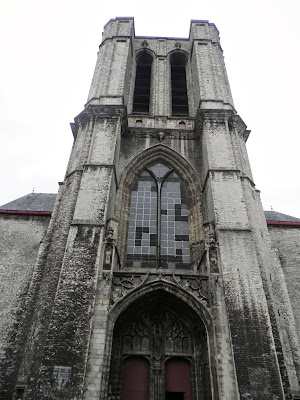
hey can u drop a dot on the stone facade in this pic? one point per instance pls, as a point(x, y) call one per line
point(20, 238)
point(286, 240)
point(229, 316)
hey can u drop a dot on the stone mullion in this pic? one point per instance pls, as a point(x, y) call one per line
point(156, 380)
point(161, 88)
point(158, 229)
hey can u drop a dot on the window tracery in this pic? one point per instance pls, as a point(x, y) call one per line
point(158, 232)
point(136, 337)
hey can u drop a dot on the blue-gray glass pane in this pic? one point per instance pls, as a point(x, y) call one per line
point(159, 170)
point(175, 248)
point(142, 230)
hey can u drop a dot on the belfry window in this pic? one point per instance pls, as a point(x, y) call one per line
point(179, 89)
point(158, 233)
point(141, 97)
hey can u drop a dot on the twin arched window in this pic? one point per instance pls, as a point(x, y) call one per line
point(141, 97)
point(158, 232)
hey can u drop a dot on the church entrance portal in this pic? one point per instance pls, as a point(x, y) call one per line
point(159, 352)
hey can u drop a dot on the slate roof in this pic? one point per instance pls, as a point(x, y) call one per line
point(35, 202)
point(278, 217)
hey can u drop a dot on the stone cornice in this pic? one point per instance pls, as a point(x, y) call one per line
point(93, 111)
point(87, 222)
point(187, 134)
point(236, 122)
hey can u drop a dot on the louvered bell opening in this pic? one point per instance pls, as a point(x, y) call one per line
point(141, 98)
point(179, 89)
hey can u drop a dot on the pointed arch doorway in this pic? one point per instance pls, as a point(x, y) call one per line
point(159, 352)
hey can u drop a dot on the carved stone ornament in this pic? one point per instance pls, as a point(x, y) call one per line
point(160, 136)
point(108, 255)
point(137, 337)
point(213, 259)
point(178, 45)
point(211, 246)
point(124, 283)
point(110, 234)
point(145, 43)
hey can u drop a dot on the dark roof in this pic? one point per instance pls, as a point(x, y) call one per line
point(278, 217)
point(35, 202)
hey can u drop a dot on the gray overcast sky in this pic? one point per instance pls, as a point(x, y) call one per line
point(48, 54)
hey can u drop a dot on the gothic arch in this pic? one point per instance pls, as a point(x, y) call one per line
point(145, 50)
point(190, 179)
point(178, 52)
point(161, 284)
point(164, 303)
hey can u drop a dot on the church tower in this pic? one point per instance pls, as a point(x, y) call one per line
point(156, 278)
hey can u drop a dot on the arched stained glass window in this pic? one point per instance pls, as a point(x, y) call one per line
point(158, 233)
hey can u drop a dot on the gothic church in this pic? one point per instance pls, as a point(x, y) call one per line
point(154, 273)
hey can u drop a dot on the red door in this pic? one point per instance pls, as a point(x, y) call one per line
point(135, 379)
point(178, 380)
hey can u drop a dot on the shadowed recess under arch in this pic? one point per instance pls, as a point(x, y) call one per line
point(158, 327)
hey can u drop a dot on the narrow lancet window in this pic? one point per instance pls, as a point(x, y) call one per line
point(141, 97)
point(158, 233)
point(179, 89)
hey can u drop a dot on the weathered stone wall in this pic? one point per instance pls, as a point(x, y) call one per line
point(274, 284)
point(111, 77)
point(20, 238)
point(286, 239)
